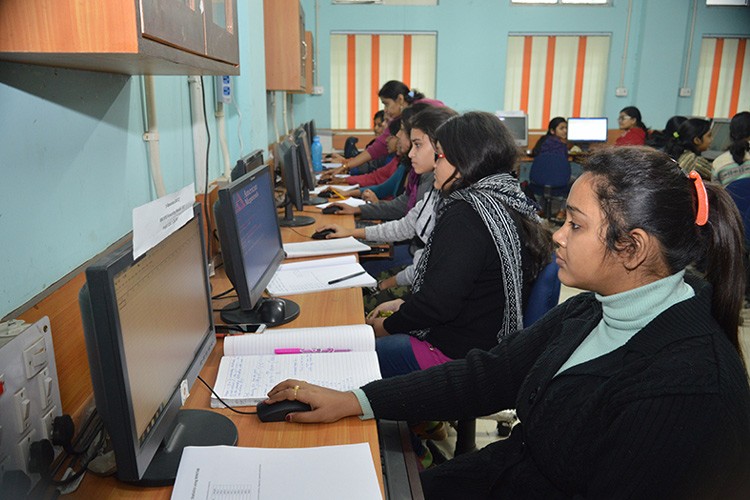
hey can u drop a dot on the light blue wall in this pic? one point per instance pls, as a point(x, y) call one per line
point(472, 46)
point(74, 164)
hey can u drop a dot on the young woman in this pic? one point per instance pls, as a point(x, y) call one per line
point(624, 391)
point(658, 139)
point(691, 139)
point(553, 142)
point(735, 163)
point(633, 130)
point(487, 246)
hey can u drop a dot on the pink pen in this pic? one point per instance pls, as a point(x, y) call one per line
point(297, 350)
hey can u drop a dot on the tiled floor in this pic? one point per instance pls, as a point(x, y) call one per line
point(486, 432)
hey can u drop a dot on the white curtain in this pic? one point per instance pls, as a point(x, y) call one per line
point(722, 87)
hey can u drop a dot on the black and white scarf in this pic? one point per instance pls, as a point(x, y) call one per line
point(491, 198)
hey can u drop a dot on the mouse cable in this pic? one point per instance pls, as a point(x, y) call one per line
point(222, 294)
point(224, 402)
point(309, 237)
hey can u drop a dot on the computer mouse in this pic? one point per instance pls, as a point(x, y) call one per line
point(326, 194)
point(278, 411)
point(321, 235)
point(331, 209)
point(272, 311)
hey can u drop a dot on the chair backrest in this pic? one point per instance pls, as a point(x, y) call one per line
point(550, 170)
point(545, 294)
point(739, 190)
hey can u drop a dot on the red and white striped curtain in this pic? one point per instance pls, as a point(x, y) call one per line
point(548, 76)
point(723, 85)
point(362, 63)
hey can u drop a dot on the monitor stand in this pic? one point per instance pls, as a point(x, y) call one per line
point(291, 220)
point(192, 428)
point(312, 200)
point(232, 314)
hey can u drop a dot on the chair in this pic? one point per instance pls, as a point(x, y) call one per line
point(739, 190)
point(549, 177)
point(545, 294)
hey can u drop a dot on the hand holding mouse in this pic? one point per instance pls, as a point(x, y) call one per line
point(336, 231)
point(327, 405)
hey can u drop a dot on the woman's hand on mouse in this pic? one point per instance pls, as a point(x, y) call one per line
point(347, 209)
point(328, 405)
point(342, 232)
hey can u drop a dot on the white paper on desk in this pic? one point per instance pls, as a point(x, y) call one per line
point(157, 219)
point(320, 473)
point(324, 247)
point(328, 165)
point(352, 202)
point(246, 380)
point(337, 187)
point(313, 276)
point(353, 337)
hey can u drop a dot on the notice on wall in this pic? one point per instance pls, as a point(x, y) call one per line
point(157, 219)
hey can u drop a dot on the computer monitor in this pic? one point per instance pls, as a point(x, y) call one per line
point(721, 138)
point(306, 166)
point(247, 164)
point(251, 247)
point(587, 129)
point(310, 129)
point(288, 163)
point(518, 124)
point(149, 329)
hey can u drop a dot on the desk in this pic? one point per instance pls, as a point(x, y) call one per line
point(335, 307)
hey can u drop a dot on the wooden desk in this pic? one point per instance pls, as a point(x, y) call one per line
point(335, 307)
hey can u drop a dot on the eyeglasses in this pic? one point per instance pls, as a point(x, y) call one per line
point(438, 156)
point(623, 118)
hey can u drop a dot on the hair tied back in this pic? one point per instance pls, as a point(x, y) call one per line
point(702, 216)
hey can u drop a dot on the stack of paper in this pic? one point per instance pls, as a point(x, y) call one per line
point(352, 202)
point(324, 247)
point(319, 275)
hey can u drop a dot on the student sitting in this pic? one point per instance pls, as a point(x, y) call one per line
point(691, 139)
point(735, 163)
point(633, 129)
point(658, 139)
point(554, 141)
point(636, 389)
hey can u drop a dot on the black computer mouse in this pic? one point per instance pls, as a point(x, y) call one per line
point(278, 411)
point(326, 194)
point(331, 209)
point(321, 235)
point(272, 311)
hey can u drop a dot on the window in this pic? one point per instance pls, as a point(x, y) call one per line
point(362, 63)
point(723, 77)
point(548, 76)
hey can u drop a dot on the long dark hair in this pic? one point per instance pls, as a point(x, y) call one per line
point(394, 88)
point(553, 123)
point(479, 145)
point(684, 139)
point(659, 138)
point(739, 131)
point(634, 112)
point(640, 187)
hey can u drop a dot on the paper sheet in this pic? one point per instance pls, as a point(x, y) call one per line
point(315, 275)
point(354, 337)
point(352, 202)
point(324, 247)
point(157, 219)
point(321, 473)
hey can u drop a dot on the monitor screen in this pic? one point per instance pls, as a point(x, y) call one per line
point(517, 123)
point(148, 327)
point(306, 168)
point(287, 159)
point(251, 243)
point(247, 164)
point(587, 129)
point(721, 138)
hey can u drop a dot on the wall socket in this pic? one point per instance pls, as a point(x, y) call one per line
point(30, 399)
point(685, 92)
point(621, 92)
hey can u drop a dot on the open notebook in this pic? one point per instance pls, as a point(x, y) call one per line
point(319, 275)
point(250, 367)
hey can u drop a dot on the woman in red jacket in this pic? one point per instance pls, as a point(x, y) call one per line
point(633, 129)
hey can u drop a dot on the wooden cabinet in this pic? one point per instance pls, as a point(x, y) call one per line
point(161, 37)
point(287, 54)
point(309, 79)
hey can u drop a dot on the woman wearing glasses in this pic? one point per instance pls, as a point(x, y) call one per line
point(633, 130)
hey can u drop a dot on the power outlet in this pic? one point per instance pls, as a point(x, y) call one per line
point(317, 90)
point(685, 92)
point(30, 399)
point(621, 92)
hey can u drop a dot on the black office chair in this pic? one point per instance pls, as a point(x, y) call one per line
point(544, 295)
point(549, 177)
point(739, 190)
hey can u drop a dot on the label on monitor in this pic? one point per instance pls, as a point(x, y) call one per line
point(184, 391)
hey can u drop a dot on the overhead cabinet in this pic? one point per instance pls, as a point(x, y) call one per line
point(287, 54)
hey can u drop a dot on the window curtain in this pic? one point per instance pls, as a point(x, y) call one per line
point(362, 63)
point(723, 85)
point(548, 76)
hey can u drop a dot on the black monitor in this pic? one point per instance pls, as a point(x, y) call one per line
point(247, 164)
point(287, 159)
point(149, 329)
point(251, 247)
point(306, 166)
point(310, 129)
point(587, 129)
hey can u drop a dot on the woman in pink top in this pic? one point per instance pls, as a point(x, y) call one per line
point(633, 129)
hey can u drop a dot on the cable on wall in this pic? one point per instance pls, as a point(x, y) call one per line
point(151, 136)
point(627, 41)
point(690, 45)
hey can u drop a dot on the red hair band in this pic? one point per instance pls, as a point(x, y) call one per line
point(702, 216)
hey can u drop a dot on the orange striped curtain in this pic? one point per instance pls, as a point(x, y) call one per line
point(362, 63)
point(548, 76)
point(722, 88)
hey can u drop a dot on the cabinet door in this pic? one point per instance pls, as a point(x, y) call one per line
point(221, 30)
point(174, 22)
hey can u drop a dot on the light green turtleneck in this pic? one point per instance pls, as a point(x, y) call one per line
point(625, 314)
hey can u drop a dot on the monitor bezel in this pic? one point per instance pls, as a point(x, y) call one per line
point(520, 142)
point(246, 164)
point(290, 171)
point(305, 159)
